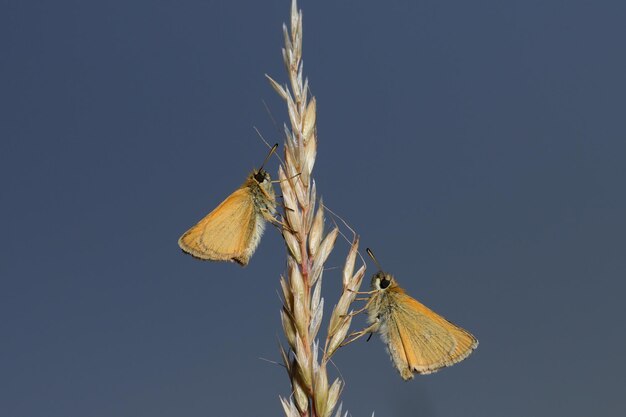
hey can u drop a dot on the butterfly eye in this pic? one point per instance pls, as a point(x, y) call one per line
point(260, 176)
point(384, 283)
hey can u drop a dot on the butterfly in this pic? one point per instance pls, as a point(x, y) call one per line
point(418, 339)
point(233, 230)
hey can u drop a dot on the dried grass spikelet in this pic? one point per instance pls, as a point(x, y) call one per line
point(341, 318)
point(308, 248)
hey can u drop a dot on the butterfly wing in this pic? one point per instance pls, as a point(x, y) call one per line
point(422, 341)
point(229, 233)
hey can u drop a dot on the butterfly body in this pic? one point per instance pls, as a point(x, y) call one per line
point(418, 339)
point(233, 230)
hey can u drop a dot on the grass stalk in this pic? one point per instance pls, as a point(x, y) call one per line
point(308, 247)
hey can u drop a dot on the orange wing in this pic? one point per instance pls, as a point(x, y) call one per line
point(228, 233)
point(421, 340)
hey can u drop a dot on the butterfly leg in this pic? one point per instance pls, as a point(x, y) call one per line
point(362, 292)
point(272, 220)
point(373, 328)
point(359, 311)
point(355, 313)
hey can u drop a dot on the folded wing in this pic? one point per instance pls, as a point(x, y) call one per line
point(225, 234)
point(427, 341)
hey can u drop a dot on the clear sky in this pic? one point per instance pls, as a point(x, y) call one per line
point(478, 147)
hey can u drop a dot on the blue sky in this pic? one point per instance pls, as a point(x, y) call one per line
point(478, 147)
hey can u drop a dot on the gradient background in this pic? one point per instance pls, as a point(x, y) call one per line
point(477, 147)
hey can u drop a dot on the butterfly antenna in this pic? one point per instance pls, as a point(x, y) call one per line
point(371, 254)
point(267, 144)
point(268, 155)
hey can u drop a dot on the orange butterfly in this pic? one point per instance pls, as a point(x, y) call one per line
point(418, 339)
point(233, 230)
